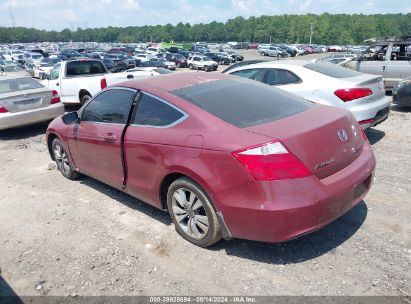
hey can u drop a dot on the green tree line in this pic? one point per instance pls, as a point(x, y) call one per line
point(328, 29)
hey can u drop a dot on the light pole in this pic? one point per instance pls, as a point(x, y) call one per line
point(312, 31)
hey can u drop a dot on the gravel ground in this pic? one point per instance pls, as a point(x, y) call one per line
point(61, 237)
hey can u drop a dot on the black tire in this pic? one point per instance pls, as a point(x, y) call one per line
point(206, 68)
point(62, 160)
point(190, 66)
point(189, 187)
point(85, 98)
point(178, 65)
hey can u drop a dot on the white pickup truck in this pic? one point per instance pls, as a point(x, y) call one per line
point(78, 80)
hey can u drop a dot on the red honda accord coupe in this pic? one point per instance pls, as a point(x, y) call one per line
point(226, 156)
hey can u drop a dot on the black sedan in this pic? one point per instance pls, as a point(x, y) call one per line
point(401, 93)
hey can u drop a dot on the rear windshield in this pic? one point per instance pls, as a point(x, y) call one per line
point(331, 70)
point(13, 68)
point(242, 102)
point(18, 84)
point(87, 67)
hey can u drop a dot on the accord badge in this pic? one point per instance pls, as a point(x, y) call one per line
point(326, 163)
point(342, 135)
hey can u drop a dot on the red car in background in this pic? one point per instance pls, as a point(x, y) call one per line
point(253, 46)
point(226, 156)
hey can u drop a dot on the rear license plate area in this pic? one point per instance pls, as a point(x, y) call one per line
point(27, 103)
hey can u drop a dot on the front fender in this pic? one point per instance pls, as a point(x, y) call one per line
point(57, 129)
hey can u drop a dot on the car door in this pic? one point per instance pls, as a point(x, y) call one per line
point(95, 143)
point(399, 65)
point(145, 142)
point(54, 80)
point(375, 62)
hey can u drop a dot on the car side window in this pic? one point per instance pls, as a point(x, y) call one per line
point(401, 52)
point(196, 59)
point(111, 106)
point(153, 112)
point(55, 72)
point(377, 53)
point(254, 74)
point(280, 76)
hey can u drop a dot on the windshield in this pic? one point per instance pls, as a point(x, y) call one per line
point(36, 56)
point(162, 71)
point(18, 84)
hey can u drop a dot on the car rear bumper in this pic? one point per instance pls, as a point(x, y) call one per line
point(404, 100)
point(371, 114)
point(18, 119)
point(277, 211)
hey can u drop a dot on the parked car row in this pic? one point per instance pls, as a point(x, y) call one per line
point(264, 151)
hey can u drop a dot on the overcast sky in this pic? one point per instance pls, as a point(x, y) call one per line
point(57, 14)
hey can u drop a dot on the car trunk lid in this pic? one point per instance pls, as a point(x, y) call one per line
point(325, 139)
point(373, 82)
point(19, 101)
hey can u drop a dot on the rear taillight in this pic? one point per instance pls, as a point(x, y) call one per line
point(103, 83)
point(3, 110)
point(271, 161)
point(351, 94)
point(55, 98)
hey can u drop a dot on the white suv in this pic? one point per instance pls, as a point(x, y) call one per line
point(201, 62)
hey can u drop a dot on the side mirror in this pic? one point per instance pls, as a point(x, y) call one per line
point(130, 76)
point(70, 118)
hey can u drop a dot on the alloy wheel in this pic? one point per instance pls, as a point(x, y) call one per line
point(61, 158)
point(190, 213)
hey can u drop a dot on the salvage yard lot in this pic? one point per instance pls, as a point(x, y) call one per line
point(61, 237)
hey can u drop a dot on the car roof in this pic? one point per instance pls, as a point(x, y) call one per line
point(175, 81)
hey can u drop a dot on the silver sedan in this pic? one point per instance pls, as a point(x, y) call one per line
point(325, 83)
point(24, 101)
